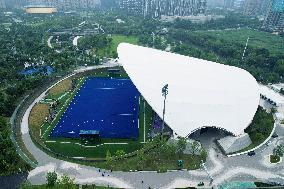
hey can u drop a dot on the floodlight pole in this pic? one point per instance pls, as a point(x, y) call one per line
point(164, 94)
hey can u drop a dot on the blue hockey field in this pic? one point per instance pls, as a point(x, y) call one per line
point(110, 106)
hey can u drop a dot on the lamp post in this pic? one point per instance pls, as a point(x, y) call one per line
point(164, 94)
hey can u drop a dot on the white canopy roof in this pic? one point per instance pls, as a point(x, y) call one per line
point(201, 93)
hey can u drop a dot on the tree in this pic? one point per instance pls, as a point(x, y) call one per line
point(109, 158)
point(273, 110)
point(194, 147)
point(141, 158)
point(169, 150)
point(181, 145)
point(119, 153)
point(203, 153)
point(66, 182)
point(51, 178)
point(278, 151)
point(258, 137)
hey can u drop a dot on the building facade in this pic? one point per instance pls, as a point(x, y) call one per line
point(255, 7)
point(65, 4)
point(274, 20)
point(156, 8)
point(229, 4)
point(2, 4)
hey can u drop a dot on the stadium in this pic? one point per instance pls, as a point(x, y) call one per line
point(201, 93)
point(122, 107)
point(40, 10)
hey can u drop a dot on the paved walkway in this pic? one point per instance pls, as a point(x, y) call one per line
point(221, 168)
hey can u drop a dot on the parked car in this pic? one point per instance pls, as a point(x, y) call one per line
point(251, 153)
point(274, 135)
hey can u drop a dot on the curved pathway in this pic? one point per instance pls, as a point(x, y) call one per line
point(75, 40)
point(221, 168)
point(49, 42)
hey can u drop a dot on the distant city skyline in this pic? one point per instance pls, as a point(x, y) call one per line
point(60, 4)
point(156, 8)
point(2, 4)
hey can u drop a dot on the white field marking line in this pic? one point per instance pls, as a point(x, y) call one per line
point(46, 130)
point(79, 157)
point(50, 141)
point(65, 104)
point(144, 121)
point(117, 143)
point(139, 113)
point(62, 96)
point(65, 142)
point(93, 146)
point(40, 129)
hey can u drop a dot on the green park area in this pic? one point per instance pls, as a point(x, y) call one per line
point(263, 57)
point(258, 39)
point(104, 46)
point(117, 39)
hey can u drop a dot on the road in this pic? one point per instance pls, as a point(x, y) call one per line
point(222, 168)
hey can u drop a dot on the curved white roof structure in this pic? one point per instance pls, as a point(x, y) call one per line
point(201, 93)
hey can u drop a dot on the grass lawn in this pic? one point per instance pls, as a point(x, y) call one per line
point(116, 39)
point(258, 39)
point(274, 159)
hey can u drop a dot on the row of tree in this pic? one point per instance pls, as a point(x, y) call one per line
point(10, 161)
point(156, 152)
point(261, 126)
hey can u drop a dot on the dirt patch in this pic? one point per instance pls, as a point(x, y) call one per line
point(37, 117)
point(61, 87)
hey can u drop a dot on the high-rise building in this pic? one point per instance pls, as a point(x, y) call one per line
point(156, 8)
point(66, 4)
point(251, 7)
point(255, 7)
point(229, 4)
point(2, 4)
point(132, 6)
point(275, 17)
point(238, 5)
point(79, 4)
